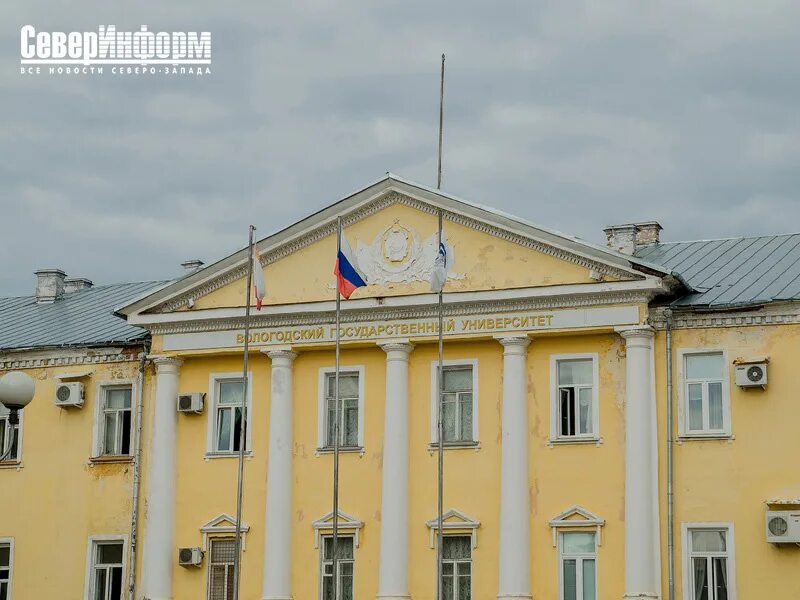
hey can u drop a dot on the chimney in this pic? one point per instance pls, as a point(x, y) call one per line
point(76, 284)
point(631, 236)
point(647, 233)
point(621, 238)
point(49, 285)
point(190, 266)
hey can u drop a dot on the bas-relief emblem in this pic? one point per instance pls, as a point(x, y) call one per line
point(397, 255)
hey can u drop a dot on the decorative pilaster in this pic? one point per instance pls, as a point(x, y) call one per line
point(393, 578)
point(278, 534)
point(642, 553)
point(159, 552)
point(515, 544)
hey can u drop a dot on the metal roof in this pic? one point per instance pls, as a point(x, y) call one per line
point(80, 318)
point(733, 272)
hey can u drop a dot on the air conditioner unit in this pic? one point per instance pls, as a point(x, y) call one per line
point(69, 394)
point(751, 374)
point(190, 557)
point(191, 403)
point(783, 526)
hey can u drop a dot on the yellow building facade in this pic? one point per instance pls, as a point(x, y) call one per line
point(560, 477)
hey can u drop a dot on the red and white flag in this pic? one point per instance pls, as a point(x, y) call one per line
point(259, 287)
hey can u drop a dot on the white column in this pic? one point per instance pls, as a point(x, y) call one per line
point(159, 554)
point(642, 553)
point(515, 544)
point(393, 578)
point(278, 535)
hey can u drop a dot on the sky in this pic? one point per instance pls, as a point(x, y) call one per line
point(572, 114)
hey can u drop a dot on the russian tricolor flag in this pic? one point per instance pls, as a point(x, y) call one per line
point(348, 275)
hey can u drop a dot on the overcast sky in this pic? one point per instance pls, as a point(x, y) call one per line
point(572, 114)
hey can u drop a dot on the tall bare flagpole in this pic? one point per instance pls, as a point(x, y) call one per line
point(237, 558)
point(440, 424)
point(336, 431)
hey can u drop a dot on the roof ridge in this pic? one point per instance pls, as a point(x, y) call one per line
point(94, 287)
point(725, 239)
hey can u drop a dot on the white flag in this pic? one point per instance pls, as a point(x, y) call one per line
point(439, 273)
point(259, 287)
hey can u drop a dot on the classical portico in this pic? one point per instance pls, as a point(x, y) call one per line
point(508, 283)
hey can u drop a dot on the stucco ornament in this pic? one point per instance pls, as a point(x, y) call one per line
point(397, 255)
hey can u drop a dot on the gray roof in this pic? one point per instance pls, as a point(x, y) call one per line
point(80, 318)
point(733, 272)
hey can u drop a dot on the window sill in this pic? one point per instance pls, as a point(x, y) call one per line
point(11, 464)
point(692, 437)
point(434, 446)
point(215, 455)
point(110, 459)
point(576, 441)
point(342, 450)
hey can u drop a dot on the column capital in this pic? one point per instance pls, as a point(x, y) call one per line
point(402, 345)
point(644, 332)
point(514, 344)
point(165, 363)
point(283, 353)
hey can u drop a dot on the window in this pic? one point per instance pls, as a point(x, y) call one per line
point(220, 568)
point(225, 414)
point(574, 408)
point(705, 391)
point(115, 420)
point(709, 569)
point(344, 568)
point(9, 435)
point(351, 408)
point(6, 562)
point(459, 403)
point(107, 565)
point(578, 565)
point(457, 567)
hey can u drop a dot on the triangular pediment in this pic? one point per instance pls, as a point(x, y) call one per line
point(223, 523)
point(576, 516)
point(392, 226)
point(454, 519)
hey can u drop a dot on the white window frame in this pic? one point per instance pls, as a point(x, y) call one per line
point(98, 432)
point(335, 575)
point(322, 409)
point(462, 362)
point(9, 541)
point(686, 529)
point(17, 461)
point(555, 400)
point(89, 579)
point(211, 436)
point(471, 560)
point(578, 557)
point(683, 395)
point(210, 543)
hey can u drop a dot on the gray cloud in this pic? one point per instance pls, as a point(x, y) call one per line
point(572, 114)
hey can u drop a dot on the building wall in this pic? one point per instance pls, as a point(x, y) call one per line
point(56, 498)
point(729, 480)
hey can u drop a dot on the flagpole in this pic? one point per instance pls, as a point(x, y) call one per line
point(237, 558)
point(336, 428)
point(440, 424)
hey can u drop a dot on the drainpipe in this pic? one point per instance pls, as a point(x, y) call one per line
point(137, 462)
point(670, 494)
